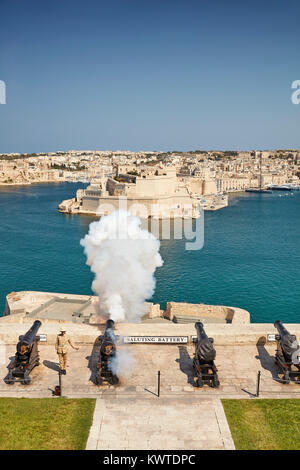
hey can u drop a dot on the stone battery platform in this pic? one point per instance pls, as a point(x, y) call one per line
point(238, 366)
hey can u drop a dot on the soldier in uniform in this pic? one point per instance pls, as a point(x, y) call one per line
point(61, 347)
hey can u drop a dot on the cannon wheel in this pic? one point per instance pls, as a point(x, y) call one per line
point(25, 382)
point(286, 378)
point(98, 380)
point(10, 380)
point(114, 380)
point(199, 382)
point(216, 382)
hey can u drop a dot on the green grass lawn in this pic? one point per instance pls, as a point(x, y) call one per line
point(45, 423)
point(264, 424)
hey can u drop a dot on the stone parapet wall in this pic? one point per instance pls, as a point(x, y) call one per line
point(20, 304)
point(232, 315)
point(224, 335)
point(155, 311)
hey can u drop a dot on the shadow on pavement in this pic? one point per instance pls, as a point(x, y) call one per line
point(51, 365)
point(186, 364)
point(266, 360)
point(94, 359)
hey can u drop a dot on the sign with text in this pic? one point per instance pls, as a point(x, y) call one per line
point(156, 339)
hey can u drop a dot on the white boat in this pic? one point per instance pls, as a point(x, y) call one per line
point(279, 187)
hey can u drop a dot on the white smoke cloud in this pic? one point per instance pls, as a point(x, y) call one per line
point(123, 363)
point(123, 258)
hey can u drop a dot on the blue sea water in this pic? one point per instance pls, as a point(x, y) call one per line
point(250, 259)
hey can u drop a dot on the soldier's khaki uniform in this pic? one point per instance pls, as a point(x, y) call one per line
point(62, 346)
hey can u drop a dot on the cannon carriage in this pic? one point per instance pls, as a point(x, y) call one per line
point(26, 357)
point(287, 353)
point(106, 365)
point(205, 370)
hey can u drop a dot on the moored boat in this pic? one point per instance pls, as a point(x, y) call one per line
point(280, 187)
point(257, 190)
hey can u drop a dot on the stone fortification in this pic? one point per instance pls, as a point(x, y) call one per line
point(224, 335)
point(227, 325)
point(232, 315)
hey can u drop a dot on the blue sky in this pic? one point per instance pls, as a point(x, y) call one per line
point(153, 75)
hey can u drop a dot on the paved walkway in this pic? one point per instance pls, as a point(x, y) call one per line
point(159, 424)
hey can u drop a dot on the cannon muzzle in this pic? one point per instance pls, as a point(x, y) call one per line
point(110, 324)
point(281, 328)
point(200, 331)
point(109, 331)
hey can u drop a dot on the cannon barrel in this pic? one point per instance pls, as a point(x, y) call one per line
point(108, 338)
point(201, 335)
point(204, 346)
point(29, 336)
point(281, 328)
point(26, 357)
point(109, 330)
point(110, 324)
point(288, 343)
point(107, 364)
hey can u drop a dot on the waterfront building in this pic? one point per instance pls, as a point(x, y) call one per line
point(155, 192)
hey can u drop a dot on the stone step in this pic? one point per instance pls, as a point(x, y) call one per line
point(187, 319)
point(179, 319)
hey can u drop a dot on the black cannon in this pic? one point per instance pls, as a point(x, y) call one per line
point(106, 366)
point(287, 353)
point(205, 370)
point(26, 357)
